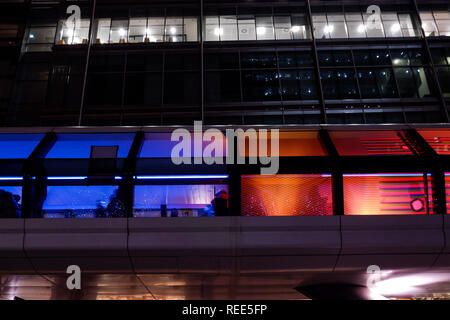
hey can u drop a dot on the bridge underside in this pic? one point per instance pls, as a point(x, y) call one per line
point(224, 257)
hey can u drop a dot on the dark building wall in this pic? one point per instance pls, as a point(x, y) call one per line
point(231, 62)
point(12, 26)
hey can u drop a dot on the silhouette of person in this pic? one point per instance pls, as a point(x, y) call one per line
point(218, 206)
point(9, 206)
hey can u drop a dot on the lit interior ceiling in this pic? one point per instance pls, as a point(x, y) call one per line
point(406, 284)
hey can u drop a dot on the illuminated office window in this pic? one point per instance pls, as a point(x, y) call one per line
point(251, 27)
point(72, 33)
point(435, 23)
point(286, 195)
point(146, 30)
point(356, 25)
point(387, 194)
point(40, 37)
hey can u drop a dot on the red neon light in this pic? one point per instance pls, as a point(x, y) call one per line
point(362, 143)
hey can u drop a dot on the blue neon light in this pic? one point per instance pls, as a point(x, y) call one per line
point(67, 178)
point(167, 177)
point(11, 178)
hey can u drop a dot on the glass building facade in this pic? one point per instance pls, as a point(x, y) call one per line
point(170, 63)
point(338, 171)
point(316, 63)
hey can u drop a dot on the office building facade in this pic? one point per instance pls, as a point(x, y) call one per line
point(357, 91)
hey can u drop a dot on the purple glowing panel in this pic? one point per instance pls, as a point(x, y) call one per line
point(78, 146)
point(159, 145)
point(18, 146)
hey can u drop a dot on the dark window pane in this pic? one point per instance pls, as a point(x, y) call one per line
point(31, 92)
point(104, 89)
point(335, 58)
point(181, 88)
point(64, 89)
point(440, 57)
point(222, 60)
point(143, 89)
point(295, 59)
point(260, 85)
point(222, 86)
point(380, 57)
point(185, 61)
point(107, 63)
point(329, 86)
point(372, 57)
point(144, 62)
point(368, 84)
point(308, 89)
point(342, 58)
point(362, 58)
point(326, 59)
point(258, 60)
point(444, 80)
point(406, 83)
point(339, 84)
point(386, 83)
point(407, 57)
point(290, 86)
point(298, 85)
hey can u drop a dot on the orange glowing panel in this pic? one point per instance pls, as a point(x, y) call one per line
point(367, 143)
point(387, 194)
point(291, 144)
point(439, 140)
point(286, 195)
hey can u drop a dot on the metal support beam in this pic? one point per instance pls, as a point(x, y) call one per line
point(431, 156)
point(337, 175)
point(33, 193)
point(126, 188)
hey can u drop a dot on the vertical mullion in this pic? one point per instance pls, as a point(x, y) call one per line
point(316, 62)
point(202, 68)
point(444, 110)
point(86, 66)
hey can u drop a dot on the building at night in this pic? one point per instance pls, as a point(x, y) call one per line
point(91, 91)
